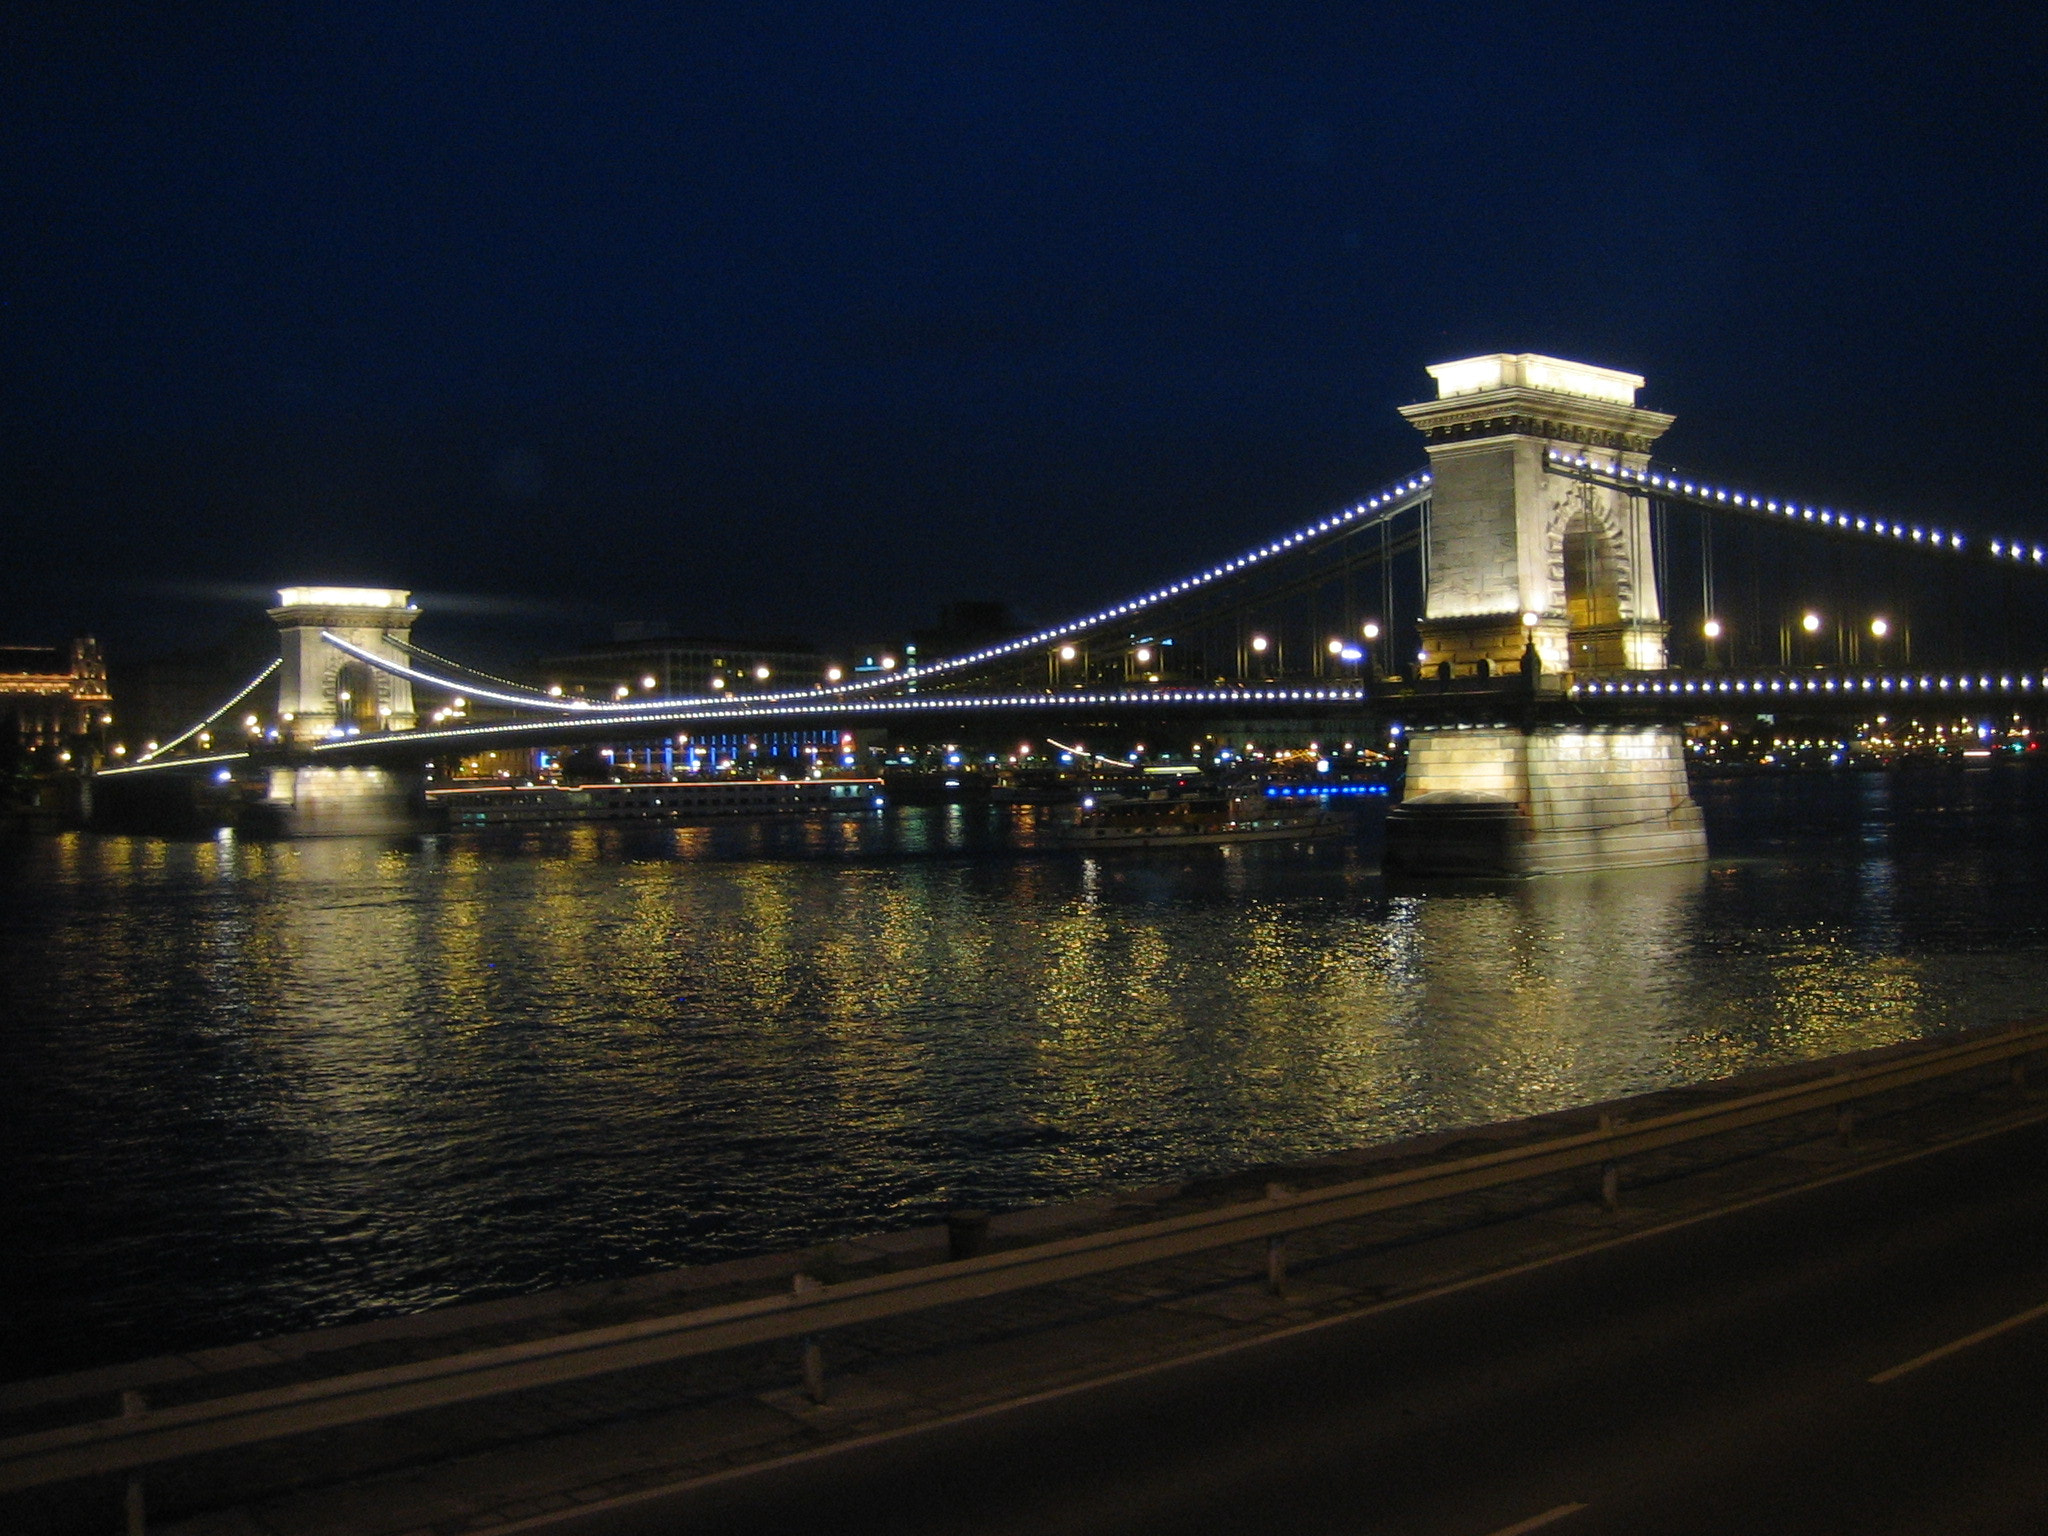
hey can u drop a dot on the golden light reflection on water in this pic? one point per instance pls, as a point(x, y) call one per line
point(393, 1073)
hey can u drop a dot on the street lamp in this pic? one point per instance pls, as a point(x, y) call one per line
point(1879, 628)
point(1810, 622)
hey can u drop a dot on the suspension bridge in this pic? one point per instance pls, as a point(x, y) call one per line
point(1539, 611)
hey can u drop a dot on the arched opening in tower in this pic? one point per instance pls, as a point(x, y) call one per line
point(1592, 597)
point(355, 697)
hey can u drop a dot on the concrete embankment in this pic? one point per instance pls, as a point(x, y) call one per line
point(518, 1456)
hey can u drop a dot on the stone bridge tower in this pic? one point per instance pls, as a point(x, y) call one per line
point(321, 690)
point(1516, 553)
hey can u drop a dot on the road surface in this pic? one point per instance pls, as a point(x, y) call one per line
point(1759, 1372)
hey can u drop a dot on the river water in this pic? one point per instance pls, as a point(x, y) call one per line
point(251, 1087)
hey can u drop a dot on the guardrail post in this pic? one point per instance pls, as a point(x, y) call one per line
point(966, 1234)
point(1276, 1250)
point(136, 1517)
point(813, 1345)
point(1610, 1172)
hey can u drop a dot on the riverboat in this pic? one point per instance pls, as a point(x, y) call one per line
point(1163, 820)
point(501, 805)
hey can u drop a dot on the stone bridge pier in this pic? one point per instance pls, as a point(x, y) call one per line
point(1527, 568)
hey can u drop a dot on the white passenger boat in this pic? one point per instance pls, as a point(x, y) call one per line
point(1177, 821)
point(499, 805)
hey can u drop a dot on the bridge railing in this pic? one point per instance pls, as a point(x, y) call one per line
point(145, 1436)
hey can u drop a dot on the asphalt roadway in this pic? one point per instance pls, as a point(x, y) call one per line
point(1715, 1378)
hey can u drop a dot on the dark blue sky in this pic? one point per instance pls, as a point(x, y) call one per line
point(810, 318)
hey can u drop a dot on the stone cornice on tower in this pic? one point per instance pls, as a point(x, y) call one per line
point(1525, 394)
point(337, 616)
point(1524, 412)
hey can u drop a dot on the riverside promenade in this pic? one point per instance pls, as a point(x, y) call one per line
point(606, 1446)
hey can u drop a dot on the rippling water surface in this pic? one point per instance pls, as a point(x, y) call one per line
point(250, 1087)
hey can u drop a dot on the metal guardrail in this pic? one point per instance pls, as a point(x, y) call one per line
point(145, 1436)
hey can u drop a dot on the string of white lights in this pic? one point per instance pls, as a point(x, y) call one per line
point(762, 711)
point(1391, 501)
point(458, 689)
point(1402, 496)
point(247, 689)
point(539, 695)
point(161, 765)
point(1877, 683)
point(1794, 511)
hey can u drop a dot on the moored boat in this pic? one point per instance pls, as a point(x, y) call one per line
point(498, 805)
point(1177, 821)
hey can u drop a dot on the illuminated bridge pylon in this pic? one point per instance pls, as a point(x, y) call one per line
point(323, 690)
point(1530, 571)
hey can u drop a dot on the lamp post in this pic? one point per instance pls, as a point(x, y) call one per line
point(1810, 626)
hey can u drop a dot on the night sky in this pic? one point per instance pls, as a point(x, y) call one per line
point(806, 319)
